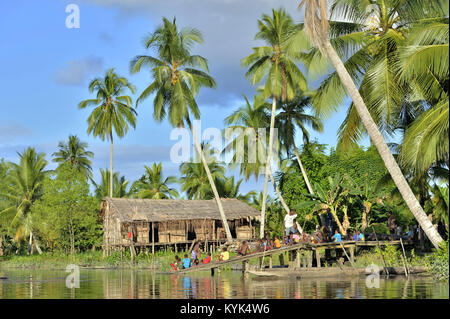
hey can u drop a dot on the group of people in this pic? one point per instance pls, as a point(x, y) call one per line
point(195, 258)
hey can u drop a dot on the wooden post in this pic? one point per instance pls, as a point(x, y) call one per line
point(309, 252)
point(281, 258)
point(382, 255)
point(304, 259)
point(153, 238)
point(318, 258)
point(297, 259)
point(270, 261)
point(404, 254)
point(345, 252)
point(352, 254)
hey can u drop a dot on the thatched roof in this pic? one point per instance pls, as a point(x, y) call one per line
point(130, 209)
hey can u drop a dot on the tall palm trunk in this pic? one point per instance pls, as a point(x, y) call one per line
point(378, 140)
point(111, 167)
point(277, 190)
point(302, 169)
point(213, 186)
point(269, 157)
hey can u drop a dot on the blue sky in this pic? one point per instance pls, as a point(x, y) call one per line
point(46, 68)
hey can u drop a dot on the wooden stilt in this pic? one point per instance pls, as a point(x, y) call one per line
point(318, 258)
point(153, 238)
point(352, 254)
point(309, 253)
point(270, 262)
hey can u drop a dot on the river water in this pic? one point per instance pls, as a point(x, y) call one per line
point(131, 284)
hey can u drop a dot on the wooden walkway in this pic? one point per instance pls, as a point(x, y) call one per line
point(302, 252)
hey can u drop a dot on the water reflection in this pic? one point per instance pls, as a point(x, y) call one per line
point(142, 284)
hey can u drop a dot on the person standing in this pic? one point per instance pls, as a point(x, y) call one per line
point(391, 225)
point(289, 220)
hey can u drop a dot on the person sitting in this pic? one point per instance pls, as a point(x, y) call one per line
point(259, 246)
point(317, 236)
point(355, 236)
point(244, 249)
point(267, 242)
point(207, 260)
point(360, 236)
point(296, 238)
point(337, 237)
point(276, 242)
point(224, 255)
point(176, 263)
point(186, 262)
point(195, 263)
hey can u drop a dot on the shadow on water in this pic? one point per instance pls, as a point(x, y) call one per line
point(137, 284)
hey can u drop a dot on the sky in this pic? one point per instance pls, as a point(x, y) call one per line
point(46, 68)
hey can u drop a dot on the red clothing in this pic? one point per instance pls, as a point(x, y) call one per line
point(207, 260)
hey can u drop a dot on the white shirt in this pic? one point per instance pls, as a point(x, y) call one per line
point(289, 220)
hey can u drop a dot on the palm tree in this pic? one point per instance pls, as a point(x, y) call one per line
point(153, 185)
point(112, 112)
point(103, 190)
point(316, 26)
point(176, 83)
point(24, 183)
point(195, 180)
point(228, 188)
point(74, 152)
point(249, 145)
point(424, 62)
point(293, 115)
point(276, 62)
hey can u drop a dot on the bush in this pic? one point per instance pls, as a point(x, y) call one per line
point(439, 262)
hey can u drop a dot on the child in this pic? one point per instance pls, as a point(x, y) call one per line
point(296, 238)
point(176, 263)
point(224, 255)
point(186, 262)
point(244, 249)
point(207, 260)
point(337, 238)
point(277, 242)
point(259, 246)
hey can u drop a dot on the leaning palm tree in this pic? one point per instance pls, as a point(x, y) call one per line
point(153, 185)
point(276, 61)
point(74, 152)
point(293, 114)
point(316, 26)
point(176, 82)
point(24, 183)
point(112, 113)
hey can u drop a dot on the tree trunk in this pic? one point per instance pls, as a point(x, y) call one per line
point(213, 186)
point(277, 190)
point(338, 222)
point(302, 169)
point(379, 142)
point(30, 244)
point(364, 221)
point(111, 168)
point(36, 245)
point(269, 158)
